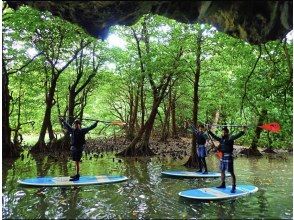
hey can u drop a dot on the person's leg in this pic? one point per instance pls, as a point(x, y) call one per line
point(77, 157)
point(223, 169)
point(199, 164)
point(78, 167)
point(77, 176)
point(204, 164)
point(199, 160)
point(233, 177)
point(223, 184)
point(74, 158)
point(233, 182)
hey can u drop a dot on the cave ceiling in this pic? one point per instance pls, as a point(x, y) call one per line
point(253, 21)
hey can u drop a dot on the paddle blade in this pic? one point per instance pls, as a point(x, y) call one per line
point(119, 123)
point(272, 127)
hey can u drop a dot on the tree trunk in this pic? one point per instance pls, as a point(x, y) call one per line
point(142, 101)
point(258, 130)
point(215, 120)
point(269, 148)
point(158, 94)
point(16, 141)
point(8, 149)
point(71, 105)
point(144, 148)
point(41, 145)
point(51, 135)
point(145, 132)
point(134, 102)
point(165, 126)
point(253, 151)
point(173, 116)
point(193, 159)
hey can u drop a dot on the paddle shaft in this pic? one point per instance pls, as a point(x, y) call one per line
point(90, 119)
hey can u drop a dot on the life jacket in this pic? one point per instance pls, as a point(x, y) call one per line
point(78, 138)
point(226, 145)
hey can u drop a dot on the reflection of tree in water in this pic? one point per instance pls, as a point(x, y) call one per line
point(226, 209)
point(45, 162)
point(62, 165)
point(139, 190)
point(263, 203)
point(66, 202)
point(42, 205)
point(211, 209)
point(255, 168)
point(70, 202)
point(7, 164)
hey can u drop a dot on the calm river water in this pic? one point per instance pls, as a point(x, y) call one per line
point(146, 194)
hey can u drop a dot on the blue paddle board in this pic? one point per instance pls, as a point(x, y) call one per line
point(64, 181)
point(214, 193)
point(189, 174)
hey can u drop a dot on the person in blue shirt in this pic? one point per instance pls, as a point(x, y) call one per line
point(77, 137)
point(226, 147)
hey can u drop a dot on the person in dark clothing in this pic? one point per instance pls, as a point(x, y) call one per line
point(201, 138)
point(226, 147)
point(77, 137)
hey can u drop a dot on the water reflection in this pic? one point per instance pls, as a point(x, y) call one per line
point(146, 194)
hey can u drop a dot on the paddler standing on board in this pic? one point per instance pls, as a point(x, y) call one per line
point(77, 136)
point(201, 138)
point(226, 148)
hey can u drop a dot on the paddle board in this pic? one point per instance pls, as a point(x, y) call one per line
point(213, 193)
point(189, 174)
point(64, 181)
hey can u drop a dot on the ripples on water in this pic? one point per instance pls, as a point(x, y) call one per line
point(146, 194)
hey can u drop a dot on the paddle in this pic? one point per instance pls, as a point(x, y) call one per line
point(119, 123)
point(271, 127)
point(116, 122)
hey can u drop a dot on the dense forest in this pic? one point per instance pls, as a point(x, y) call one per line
point(162, 76)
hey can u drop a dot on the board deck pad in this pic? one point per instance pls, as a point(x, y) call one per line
point(190, 174)
point(64, 181)
point(214, 193)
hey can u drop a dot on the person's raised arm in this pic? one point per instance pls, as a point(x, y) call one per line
point(213, 135)
point(65, 125)
point(87, 129)
point(241, 133)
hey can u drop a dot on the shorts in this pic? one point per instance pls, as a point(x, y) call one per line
point(201, 151)
point(226, 163)
point(76, 153)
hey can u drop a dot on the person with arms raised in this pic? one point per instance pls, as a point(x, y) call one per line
point(226, 148)
point(77, 137)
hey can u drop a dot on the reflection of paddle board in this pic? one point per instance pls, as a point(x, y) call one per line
point(64, 181)
point(214, 193)
point(189, 174)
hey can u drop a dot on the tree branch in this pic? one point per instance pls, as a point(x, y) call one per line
point(25, 65)
point(248, 78)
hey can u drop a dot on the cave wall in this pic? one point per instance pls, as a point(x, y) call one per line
point(253, 21)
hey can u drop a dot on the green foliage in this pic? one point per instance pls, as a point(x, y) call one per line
point(230, 82)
